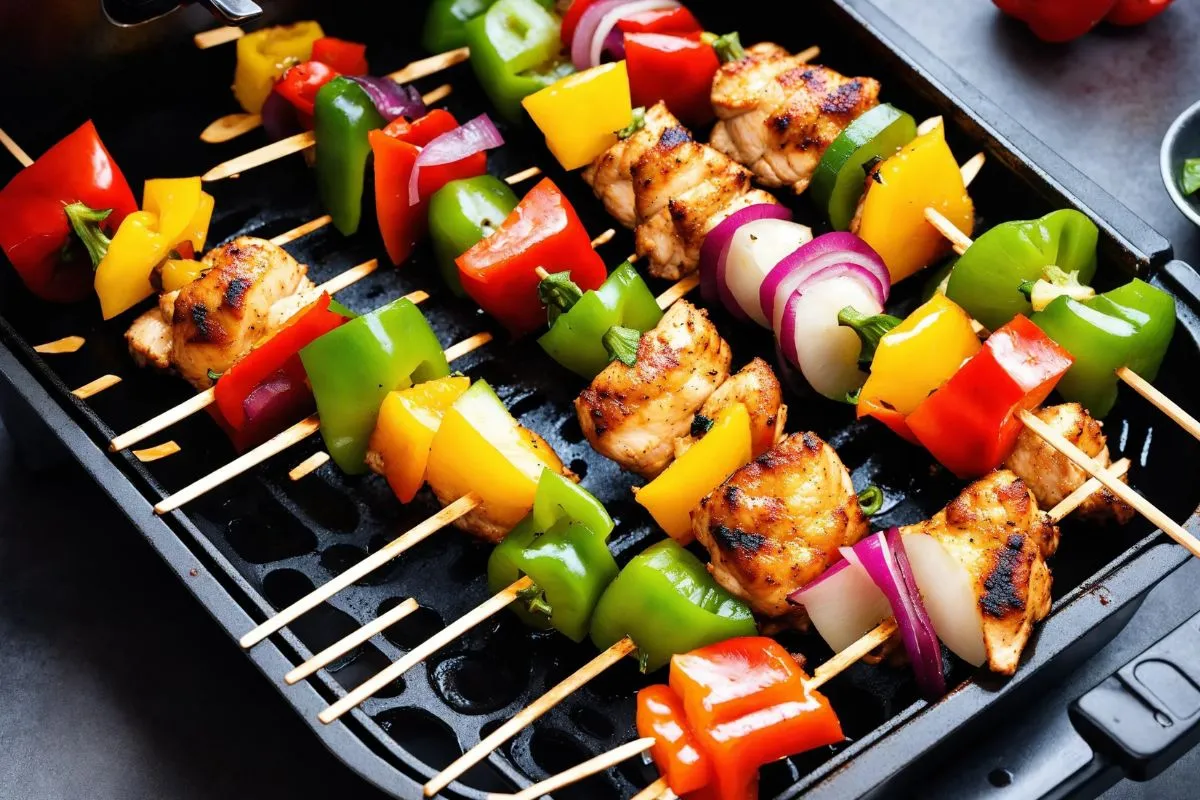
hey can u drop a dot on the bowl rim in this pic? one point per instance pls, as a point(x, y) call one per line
point(1166, 169)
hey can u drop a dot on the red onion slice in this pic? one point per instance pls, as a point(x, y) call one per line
point(811, 338)
point(598, 21)
point(843, 603)
point(468, 139)
point(391, 99)
point(823, 251)
point(716, 246)
point(884, 560)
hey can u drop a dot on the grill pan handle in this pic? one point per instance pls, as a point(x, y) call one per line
point(126, 13)
point(1146, 715)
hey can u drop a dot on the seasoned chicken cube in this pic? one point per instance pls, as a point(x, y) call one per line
point(755, 387)
point(777, 115)
point(777, 523)
point(220, 316)
point(1052, 476)
point(995, 530)
point(633, 415)
point(150, 341)
point(610, 175)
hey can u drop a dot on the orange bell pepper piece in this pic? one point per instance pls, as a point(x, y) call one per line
point(676, 753)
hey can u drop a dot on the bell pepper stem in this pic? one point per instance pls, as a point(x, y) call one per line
point(535, 600)
point(871, 500)
point(870, 330)
point(558, 293)
point(85, 222)
point(729, 48)
point(635, 124)
point(622, 344)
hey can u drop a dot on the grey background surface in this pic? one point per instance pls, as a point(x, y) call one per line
point(115, 684)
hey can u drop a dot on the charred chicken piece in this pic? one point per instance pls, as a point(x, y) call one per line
point(777, 523)
point(610, 175)
point(1052, 476)
point(996, 532)
point(755, 387)
point(633, 415)
point(778, 114)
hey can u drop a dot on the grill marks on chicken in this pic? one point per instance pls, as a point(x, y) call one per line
point(777, 523)
point(633, 415)
point(672, 189)
point(218, 318)
point(995, 530)
point(777, 114)
point(1052, 476)
point(755, 387)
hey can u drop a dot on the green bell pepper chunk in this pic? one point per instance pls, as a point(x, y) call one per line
point(461, 214)
point(515, 52)
point(445, 23)
point(354, 366)
point(576, 335)
point(343, 114)
point(986, 279)
point(666, 601)
point(840, 178)
point(559, 498)
point(1129, 326)
point(570, 567)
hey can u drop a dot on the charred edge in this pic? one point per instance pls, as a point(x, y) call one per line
point(845, 99)
point(673, 137)
point(235, 292)
point(812, 443)
point(1001, 593)
point(738, 540)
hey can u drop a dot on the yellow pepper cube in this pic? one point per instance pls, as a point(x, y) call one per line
point(922, 175)
point(264, 55)
point(705, 465)
point(176, 203)
point(581, 114)
point(408, 421)
point(122, 278)
point(481, 448)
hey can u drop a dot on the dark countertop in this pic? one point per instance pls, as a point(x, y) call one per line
point(118, 685)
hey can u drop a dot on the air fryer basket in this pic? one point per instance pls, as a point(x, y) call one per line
point(262, 541)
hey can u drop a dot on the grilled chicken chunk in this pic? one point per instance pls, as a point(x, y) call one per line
point(610, 175)
point(150, 340)
point(756, 387)
point(1052, 476)
point(995, 530)
point(633, 415)
point(777, 523)
point(778, 114)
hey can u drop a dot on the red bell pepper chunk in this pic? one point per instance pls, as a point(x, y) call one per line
point(1057, 20)
point(348, 58)
point(300, 84)
point(266, 389)
point(747, 702)
point(1136, 12)
point(396, 148)
point(970, 424)
point(34, 230)
point(571, 19)
point(678, 70)
point(676, 753)
point(667, 20)
point(499, 272)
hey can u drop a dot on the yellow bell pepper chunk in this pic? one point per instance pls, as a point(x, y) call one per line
point(175, 201)
point(266, 54)
point(923, 174)
point(177, 273)
point(919, 355)
point(122, 279)
point(580, 114)
point(705, 465)
point(480, 447)
point(408, 420)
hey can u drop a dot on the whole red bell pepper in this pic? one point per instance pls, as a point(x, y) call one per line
point(970, 424)
point(667, 20)
point(677, 69)
point(396, 148)
point(59, 210)
point(299, 86)
point(499, 272)
point(267, 389)
point(1057, 20)
point(676, 753)
point(1136, 12)
point(348, 58)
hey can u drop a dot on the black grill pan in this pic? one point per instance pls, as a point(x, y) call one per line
point(261, 541)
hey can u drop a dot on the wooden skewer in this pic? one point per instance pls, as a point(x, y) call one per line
point(292, 144)
point(168, 448)
point(11, 146)
point(1086, 490)
point(528, 715)
point(445, 636)
point(430, 65)
point(809, 53)
point(97, 386)
point(841, 660)
point(1160, 401)
point(230, 126)
point(578, 772)
point(959, 240)
point(656, 791)
point(309, 465)
point(970, 170)
point(216, 36)
point(523, 175)
point(1122, 490)
point(348, 643)
point(67, 344)
point(678, 290)
point(459, 508)
point(303, 230)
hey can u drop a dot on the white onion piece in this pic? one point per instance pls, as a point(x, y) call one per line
point(754, 251)
point(949, 599)
point(843, 604)
point(812, 339)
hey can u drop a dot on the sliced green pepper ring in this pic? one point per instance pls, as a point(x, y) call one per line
point(840, 178)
